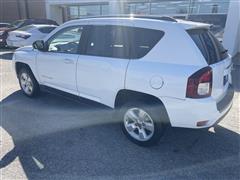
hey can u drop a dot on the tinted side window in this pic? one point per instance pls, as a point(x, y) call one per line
point(46, 30)
point(117, 45)
point(95, 42)
point(117, 41)
point(143, 40)
point(108, 41)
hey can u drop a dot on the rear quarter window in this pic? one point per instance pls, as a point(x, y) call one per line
point(212, 50)
point(143, 40)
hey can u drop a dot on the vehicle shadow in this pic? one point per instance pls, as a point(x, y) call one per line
point(57, 138)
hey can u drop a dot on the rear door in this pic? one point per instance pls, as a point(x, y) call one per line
point(101, 68)
point(217, 58)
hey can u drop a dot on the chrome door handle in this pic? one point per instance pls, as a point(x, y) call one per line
point(68, 61)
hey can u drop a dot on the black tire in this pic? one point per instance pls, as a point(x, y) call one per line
point(158, 115)
point(35, 86)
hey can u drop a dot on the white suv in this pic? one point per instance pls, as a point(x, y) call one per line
point(154, 70)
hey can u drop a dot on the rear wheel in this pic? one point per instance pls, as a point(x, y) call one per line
point(142, 123)
point(28, 83)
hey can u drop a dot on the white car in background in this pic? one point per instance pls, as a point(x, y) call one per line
point(26, 35)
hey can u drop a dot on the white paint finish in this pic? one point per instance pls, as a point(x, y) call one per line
point(156, 82)
point(180, 48)
point(100, 79)
point(174, 59)
point(28, 56)
point(186, 113)
point(220, 70)
point(175, 78)
point(231, 38)
point(55, 70)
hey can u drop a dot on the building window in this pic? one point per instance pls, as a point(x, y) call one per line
point(92, 10)
point(73, 12)
point(173, 7)
point(139, 8)
point(104, 9)
point(79, 11)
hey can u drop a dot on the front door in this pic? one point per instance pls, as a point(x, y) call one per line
point(57, 67)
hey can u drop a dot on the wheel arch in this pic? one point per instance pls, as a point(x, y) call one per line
point(126, 95)
point(19, 65)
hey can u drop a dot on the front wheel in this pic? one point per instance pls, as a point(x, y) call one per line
point(28, 83)
point(143, 124)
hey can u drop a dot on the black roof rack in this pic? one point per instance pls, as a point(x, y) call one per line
point(163, 18)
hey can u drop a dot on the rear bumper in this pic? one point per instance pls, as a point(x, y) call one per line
point(226, 100)
point(187, 113)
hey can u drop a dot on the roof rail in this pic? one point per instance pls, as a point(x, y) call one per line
point(163, 18)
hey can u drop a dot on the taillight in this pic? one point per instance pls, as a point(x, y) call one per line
point(23, 36)
point(200, 84)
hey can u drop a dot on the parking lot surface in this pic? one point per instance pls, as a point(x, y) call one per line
point(53, 137)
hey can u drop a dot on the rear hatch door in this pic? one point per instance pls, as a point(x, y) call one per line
point(217, 58)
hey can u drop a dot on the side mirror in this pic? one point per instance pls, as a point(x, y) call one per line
point(39, 45)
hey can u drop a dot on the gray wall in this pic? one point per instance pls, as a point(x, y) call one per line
point(11, 10)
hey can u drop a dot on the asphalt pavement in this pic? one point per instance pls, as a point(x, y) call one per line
point(54, 137)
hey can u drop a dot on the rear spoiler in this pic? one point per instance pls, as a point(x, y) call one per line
point(194, 25)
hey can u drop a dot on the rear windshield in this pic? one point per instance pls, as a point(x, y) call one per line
point(26, 28)
point(17, 23)
point(46, 30)
point(208, 44)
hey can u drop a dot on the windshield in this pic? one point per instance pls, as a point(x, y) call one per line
point(17, 23)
